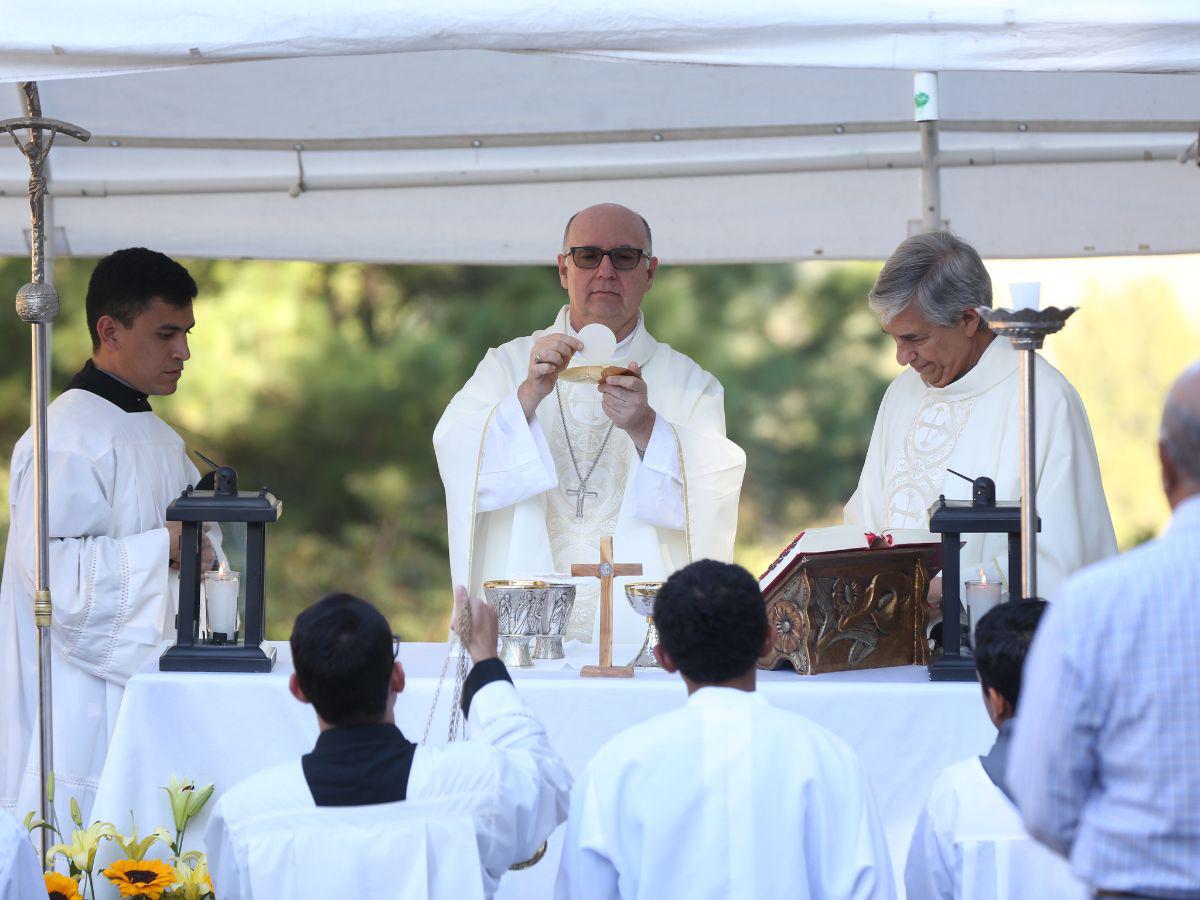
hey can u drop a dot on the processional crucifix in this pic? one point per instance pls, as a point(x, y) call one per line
point(606, 571)
point(37, 304)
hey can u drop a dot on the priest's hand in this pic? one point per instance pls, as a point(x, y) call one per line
point(484, 625)
point(628, 405)
point(549, 356)
point(208, 556)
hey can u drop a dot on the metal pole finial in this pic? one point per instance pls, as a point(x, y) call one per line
point(37, 304)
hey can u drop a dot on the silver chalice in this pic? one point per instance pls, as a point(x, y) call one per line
point(519, 606)
point(556, 610)
point(640, 595)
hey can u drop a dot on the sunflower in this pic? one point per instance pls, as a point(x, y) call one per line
point(140, 877)
point(60, 887)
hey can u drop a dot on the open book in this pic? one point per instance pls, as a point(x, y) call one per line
point(840, 537)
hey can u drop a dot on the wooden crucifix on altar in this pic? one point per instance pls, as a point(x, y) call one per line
point(606, 571)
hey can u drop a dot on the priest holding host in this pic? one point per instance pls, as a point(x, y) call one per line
point(113, 466)
point(957, 408)
point(539, 466)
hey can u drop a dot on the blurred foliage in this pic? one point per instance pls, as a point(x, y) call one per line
point(1122, 351)
point(324, 382)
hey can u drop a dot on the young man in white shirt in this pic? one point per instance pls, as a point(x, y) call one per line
point(726, 796)
point(507, 777)
point(969, 841)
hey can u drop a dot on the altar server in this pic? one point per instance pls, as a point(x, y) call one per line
point(1105, 760)
point(727, 796)
point(505, 788)
point(969, 843)
point(112, 467)
point(20, 872)
point(537, 469)
point(958, 406)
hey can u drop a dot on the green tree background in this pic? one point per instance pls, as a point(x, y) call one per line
point(324, 382)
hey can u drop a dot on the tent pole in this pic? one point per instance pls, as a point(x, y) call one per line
point(925, 109)
point(931, 179)
point(37, 304)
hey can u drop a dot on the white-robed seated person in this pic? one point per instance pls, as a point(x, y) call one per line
point(969, 843)
point(538, 469)
point(726, 796)
point(112, 467)
point(958, 407)
point(506, 779)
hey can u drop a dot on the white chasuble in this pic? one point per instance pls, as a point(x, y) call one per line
point(111, 475)
point(973, 426)
point(575, 538)
point(507, 481)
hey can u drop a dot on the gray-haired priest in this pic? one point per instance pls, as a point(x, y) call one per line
point(537, 469)
point(958, 406)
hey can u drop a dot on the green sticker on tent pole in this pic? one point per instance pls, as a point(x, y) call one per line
point(921, 99)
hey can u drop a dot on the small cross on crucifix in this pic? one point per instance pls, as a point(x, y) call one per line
point(606, 571)
point(581, 493)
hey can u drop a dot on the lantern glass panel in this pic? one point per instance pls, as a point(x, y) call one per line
point(223, 589)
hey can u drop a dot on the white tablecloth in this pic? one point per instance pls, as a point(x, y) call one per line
point(222, 728)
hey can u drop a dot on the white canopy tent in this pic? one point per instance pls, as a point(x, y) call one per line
point(762, 131)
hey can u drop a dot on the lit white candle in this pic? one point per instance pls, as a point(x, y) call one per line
point(1026, 295)
point(982, 595)
point(221, 601)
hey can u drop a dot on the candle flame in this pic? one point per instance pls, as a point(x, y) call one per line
point(982, 576)
point(223, 571)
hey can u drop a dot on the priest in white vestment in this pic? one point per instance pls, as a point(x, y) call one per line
point(958, 407)
point(726, 796)
point(538, 469)
point(969, 843)
point(112, 467)
point(371, 814)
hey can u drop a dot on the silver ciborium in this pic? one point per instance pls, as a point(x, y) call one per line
point(530, 609)
point(556, 610)
point(519, 609)
point(640, 595)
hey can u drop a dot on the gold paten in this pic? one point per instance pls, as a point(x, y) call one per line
point(591, 374)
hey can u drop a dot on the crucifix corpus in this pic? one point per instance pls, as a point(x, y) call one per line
point(606, 571)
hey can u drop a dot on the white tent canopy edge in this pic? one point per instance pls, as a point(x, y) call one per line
point(245, 138)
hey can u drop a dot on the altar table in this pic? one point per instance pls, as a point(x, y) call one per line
point(224, 727)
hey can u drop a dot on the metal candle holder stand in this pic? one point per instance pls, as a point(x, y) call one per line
point(1027, 329)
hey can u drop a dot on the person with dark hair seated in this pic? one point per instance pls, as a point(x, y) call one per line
point(506, 782)
point(969, 842)
point(727, 796)
point(112, 466)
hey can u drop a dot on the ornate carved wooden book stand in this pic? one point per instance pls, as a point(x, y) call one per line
point(851, 609)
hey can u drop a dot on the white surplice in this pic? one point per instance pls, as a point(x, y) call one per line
point(973, 426)
point(20, 869)
point(506, 780)
point(725, 797)
point(506, 479)
point(969, 844)
point(111, 475)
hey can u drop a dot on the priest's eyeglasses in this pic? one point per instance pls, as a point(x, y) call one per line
point(624, 258)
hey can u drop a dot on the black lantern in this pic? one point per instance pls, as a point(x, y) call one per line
point(952, 519)
point(231, 640)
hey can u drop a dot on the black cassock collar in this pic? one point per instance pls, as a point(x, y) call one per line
point(112, 389)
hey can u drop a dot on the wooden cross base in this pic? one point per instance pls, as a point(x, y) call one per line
point(606, 672)
point(606, 571)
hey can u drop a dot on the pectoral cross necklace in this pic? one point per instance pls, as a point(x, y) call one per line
point(581, 493)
